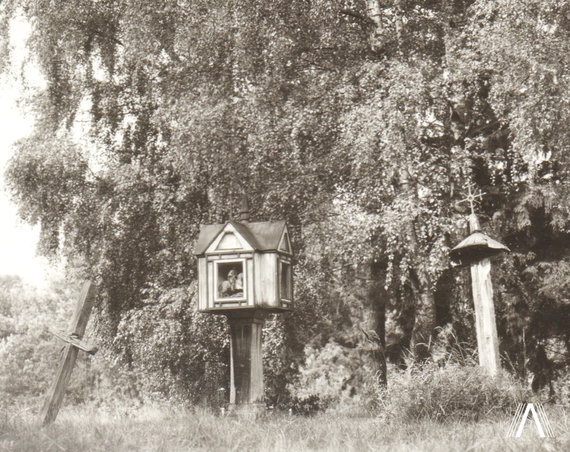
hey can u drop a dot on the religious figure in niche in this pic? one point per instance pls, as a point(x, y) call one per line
point(232, 287)
point(239, 284)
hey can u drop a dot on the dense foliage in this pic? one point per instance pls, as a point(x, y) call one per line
point(359, 122)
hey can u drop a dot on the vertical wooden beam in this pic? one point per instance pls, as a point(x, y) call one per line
point(56, 392)
point(246, 387)
point(486, 326)
point(487, 339)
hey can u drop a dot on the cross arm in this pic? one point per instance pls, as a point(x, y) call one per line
point(75, 341)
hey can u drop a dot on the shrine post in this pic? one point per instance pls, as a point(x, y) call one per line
point(476, 251)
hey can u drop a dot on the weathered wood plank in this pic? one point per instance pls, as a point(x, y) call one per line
point(487, 339)
point(78, 325)
point(250, 282)
point(203, 284)
point(267, 281)
point(87, 348)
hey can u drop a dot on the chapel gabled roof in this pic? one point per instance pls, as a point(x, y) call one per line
point(262, 235)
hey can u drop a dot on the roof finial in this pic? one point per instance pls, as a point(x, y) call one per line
point(244, 209)
point(473, 198)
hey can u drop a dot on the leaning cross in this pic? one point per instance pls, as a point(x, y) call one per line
point(74, 344)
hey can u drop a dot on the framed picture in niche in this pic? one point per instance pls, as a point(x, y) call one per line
point(230, 277)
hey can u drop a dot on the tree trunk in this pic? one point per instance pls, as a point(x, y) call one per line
point(374, 11)
point(424, 322)
point(378, 35)
point(424, 300)
point(376, 301)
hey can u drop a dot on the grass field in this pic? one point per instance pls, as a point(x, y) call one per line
point(163, 429)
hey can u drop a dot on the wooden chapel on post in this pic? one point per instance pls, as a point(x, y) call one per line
point(245, 272)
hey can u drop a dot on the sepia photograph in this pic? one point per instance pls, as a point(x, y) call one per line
point(284, 225)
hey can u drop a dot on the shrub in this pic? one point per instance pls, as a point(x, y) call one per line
point(449, 391)
point(335, 376)
point(307, 406)
point(172, 351)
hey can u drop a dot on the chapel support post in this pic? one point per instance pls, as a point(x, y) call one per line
point(74, 343)
point(246, 374)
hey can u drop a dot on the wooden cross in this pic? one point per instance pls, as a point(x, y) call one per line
point(482, 290)
point(74, 344)
point(473, 197)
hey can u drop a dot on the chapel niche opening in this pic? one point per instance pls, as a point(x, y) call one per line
point(230, 280)
point(285, 280)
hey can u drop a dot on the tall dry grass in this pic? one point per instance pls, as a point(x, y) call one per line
point(160, 428)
